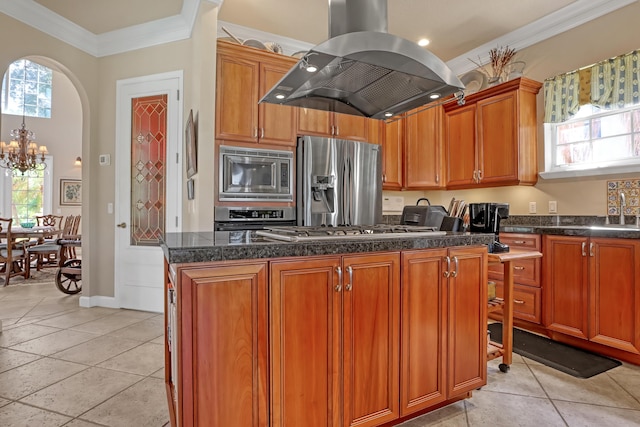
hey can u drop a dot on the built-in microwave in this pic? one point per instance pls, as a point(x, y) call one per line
point(259, 175)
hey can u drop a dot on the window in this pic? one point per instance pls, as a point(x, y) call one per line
point(592, 119)
point(26, 88)
point(594, 138)
point(24, 197)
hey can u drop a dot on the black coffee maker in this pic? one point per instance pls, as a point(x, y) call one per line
point(485, 218)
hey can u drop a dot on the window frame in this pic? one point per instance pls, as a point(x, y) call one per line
point(6, 196)
point(609, 167)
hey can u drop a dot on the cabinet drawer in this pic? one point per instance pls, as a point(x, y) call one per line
point(526, 302)
point(525, 272)
point(521, 241)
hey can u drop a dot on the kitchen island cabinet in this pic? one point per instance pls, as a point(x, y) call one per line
point(330, 316)
point(244, 75)
point(309, 333)
point(593, 290)
point(492, 139)
point(441, 302)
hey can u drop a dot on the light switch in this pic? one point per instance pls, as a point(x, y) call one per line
point(553, 206)
point(109, 208)
point(532, 207)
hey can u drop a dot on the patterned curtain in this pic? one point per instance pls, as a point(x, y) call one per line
point(614, 82)
point(561, 97)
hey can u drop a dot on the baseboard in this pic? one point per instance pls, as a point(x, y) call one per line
point(99, 301)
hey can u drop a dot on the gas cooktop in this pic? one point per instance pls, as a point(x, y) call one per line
point(315, 233)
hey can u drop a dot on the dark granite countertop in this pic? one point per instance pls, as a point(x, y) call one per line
point(236, 245)
point(584, 226)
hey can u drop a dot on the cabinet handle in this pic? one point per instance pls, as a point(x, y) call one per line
point(350, 284)
point(518, 267)
point(337, 131)
point(584, 248)
point(455, 263)
point(479, 175)
point(475, 176)
point(437, 178)
point(518, 301)
point(261, 132)
point(255, 132)
point(339, 285)
point(519, 242)
point(384, 177)
point(591, 249)
point(446, 272)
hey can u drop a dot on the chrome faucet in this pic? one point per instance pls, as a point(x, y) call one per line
point(623, 204)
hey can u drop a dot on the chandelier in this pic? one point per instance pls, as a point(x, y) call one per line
point(22, 154)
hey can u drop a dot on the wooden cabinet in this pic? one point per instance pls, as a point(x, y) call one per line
point(392, 139)
point(244, 75)
point(423, 150)
point(221, 334)
point(443, 291)
point(492, 139)
point(340, 319)
point(527, 293)
point(591, 289)
point(334, 125)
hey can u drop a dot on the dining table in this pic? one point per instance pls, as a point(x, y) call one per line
point(33, 236)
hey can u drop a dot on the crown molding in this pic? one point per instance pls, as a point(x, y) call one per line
point(166, 30)
point(571, 16)
point(288, 45)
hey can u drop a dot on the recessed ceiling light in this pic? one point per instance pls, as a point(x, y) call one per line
point(388, 114)
point(312, 68)
point(280, 96)
point(434, 96)
point(423, 42)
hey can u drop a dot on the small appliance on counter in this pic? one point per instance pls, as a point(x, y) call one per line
point(423, 215)
point(485, 218)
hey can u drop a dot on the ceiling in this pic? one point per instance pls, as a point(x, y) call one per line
point(456, 29)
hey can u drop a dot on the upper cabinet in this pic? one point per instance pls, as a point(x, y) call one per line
point(423, 153)
point(492, 139)
point(334, 125)
point(391, 140)
point(244, 75)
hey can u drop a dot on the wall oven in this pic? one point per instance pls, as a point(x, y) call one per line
point(255, 175)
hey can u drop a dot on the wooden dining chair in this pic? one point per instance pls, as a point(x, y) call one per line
point(54, 221)
point(73, 235)
point(48, 253)
point(14, 260)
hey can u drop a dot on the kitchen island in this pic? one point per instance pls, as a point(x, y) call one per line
point(348, 332)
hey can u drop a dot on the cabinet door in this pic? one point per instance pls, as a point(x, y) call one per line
point(423, 150)
point(614, 287)
point(423, 324)
point(565, 283)
point(498, 139)
point(223, 337)
point(237, 99)
point(467, 314)
point(392, 155)
point(305, 343)
point(351, 127)
point(460, 128)
point(277, 122)
point(371, 297)
point(314, 122)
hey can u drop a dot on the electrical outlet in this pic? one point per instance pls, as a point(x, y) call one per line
point(553, 206)
point(532, 207)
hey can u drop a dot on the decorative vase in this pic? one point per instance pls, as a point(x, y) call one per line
point(515, 69)
point(494, 81)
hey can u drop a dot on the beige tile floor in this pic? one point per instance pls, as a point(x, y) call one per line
point(62, 365)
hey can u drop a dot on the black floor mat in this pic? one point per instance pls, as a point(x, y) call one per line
point(573, 361)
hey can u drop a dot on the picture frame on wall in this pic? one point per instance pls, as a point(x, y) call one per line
point(70, 192)
point(191, 148)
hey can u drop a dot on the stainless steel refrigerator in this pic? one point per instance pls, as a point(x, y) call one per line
point(339, 182)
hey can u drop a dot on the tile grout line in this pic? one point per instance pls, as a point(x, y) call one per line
point(545, 392)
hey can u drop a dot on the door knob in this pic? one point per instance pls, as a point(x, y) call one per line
point(122, 225)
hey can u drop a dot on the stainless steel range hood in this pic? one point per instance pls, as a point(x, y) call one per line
point(363, 70)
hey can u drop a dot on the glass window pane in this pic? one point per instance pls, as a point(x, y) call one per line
point(573, 132)
point(28, 78)
point(615, 124)
point(615, 148)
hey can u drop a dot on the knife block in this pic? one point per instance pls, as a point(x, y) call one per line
point(451, 223)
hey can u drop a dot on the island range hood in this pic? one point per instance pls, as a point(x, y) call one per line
point(363, 70)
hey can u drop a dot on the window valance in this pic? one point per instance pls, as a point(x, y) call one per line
point(610, 84)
